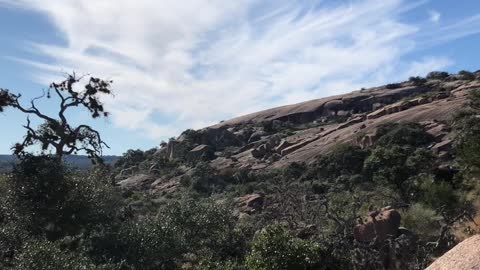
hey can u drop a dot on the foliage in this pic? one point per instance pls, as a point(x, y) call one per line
point(343, 160)
point(411, 134)
point(437, 194)
point(437, 75)
point(51, 200)
point(276, 248)
point(467, 124)
point(206, 227)
point(466, 75)
point(423, 219)
point(145, 244)
point(203, 179)
point(396, 164)
point(417, 81)
point(130, 158)
point(393, 86)
point(45, 255)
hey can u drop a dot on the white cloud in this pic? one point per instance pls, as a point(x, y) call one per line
point(434, 16)
point(197, 62)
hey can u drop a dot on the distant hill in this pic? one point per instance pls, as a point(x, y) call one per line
point(80, 162)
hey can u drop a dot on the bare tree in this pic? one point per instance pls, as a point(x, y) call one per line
point(56, 132)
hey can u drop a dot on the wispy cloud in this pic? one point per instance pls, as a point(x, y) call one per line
point(434, 16)
point(178, 65)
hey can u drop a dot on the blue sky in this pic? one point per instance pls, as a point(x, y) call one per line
point(189, 64)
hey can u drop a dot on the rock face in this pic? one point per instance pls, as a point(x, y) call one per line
point(351, 118)
point(464, 256)
point(379, 226)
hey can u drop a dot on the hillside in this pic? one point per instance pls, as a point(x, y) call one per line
point(405, 155)
point(305, 131)
point(380, 178)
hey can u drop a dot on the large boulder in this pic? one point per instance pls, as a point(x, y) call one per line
point(201, 152)
point(219, 138)
point(378, 226)
point(250, 203)
point(465, 255)
point(136, 182)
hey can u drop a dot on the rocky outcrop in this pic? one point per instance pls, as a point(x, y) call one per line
point(464, 256)
point(302, 132)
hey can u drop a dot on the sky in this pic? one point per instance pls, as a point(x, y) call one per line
point(192, 63)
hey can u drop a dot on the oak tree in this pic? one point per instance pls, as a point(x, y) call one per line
point(56, 131)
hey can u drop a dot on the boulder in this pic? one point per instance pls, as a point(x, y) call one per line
point(165, 187)
point(219, 138)
point(257, 135)
point(199, 153)
point(250, 203)
point(378, 226)
point(136, 182)
point(260, 151)
point(443, 146)
point(464, 256)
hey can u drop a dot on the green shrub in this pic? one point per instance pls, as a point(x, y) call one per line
point(204, 227)
point(423, 220)
point(342, 160)
point(418, 81)
point(12, 238)
point(410, 134)
point(204, 180)
point(467, 144)
point(146, 244)
point(467, 75)
point(439, 194)
point(49, 199)
point(437, 75)
point(130, 158)
point(276, 248)
point(44, 255)
point(393, 86)
point(395, 165)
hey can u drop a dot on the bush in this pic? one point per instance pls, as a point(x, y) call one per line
point(466, 75)
point(49, 199)
point(204, 180)
point(439, 194)
point(44, 255)
point(204, 227)
point(467, 143)
point(343, 160)
point(130, 158)
point(423, 220)
point(437, 75)
point(418, 81)
point(12, 238)
point(395, 165)
point(393, 86)
point(276, 248)
point(410, 134)
point(146, 244)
